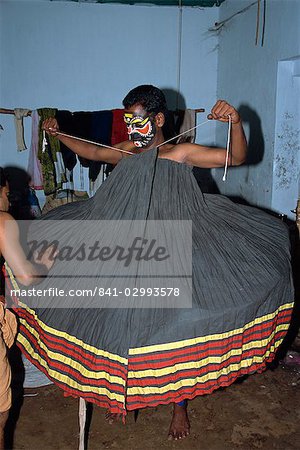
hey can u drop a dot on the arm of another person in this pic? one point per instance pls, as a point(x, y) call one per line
point(25, 272)
point(86, 150)
point(208, 157)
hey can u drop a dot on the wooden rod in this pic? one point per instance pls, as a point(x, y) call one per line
point(11, 111)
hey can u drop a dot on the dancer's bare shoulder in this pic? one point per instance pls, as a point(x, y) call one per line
point(194, 155)
point(179, 152)
point(172, 152)
point(127, 146)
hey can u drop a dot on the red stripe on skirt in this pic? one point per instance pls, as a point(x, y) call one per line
point(159, 381)
point(207, 349)
point(66, 369)
point(101, 400)
point(140, 401)
point(82, 355)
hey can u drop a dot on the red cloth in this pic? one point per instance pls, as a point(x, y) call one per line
point(119, 129)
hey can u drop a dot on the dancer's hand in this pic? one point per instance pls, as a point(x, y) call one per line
point(221, 110)
point(47, 257)
point(51, 126)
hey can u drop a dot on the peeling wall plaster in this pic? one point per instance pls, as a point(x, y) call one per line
point(248, 75)
point(286, 170)
point(286, 162)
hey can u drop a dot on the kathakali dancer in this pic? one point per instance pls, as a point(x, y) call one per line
point(125, 359)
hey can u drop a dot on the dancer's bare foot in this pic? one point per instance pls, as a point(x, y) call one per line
point(180, 425)
point(112, 417)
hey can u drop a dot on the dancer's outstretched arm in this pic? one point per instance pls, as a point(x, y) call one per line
point(208, 157)
point(87, 150)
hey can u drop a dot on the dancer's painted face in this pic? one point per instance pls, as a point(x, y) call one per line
point(141, 129)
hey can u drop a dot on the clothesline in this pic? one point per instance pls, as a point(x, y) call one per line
point(50, 169)
point(12, 111)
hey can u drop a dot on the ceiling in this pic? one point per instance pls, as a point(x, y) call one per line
point(202, 3)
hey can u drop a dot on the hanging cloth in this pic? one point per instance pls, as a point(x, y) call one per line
point(64, 119)
point(19, 114)
point(185, 121)
point(119, 129)
point(101, 131)
point(48, 158)
point(34, 166)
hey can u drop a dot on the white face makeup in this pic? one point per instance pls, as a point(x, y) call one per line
point(141, 129)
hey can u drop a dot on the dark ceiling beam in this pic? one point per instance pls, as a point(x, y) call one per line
point(195, 3)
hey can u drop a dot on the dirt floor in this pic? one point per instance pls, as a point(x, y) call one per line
point(262, 411)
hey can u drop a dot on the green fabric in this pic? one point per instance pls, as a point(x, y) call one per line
point(48, 158)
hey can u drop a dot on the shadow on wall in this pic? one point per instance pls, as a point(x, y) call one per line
point(256, 143)
point(176, 101)
point(19, 180)
point(256, 146)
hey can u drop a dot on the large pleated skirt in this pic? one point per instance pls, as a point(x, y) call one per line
point(128, 358)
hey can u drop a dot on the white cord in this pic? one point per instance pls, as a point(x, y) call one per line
point(227, 149)
point(163, 143)
point(184, 132)
point(92, 142)
point(125, 151)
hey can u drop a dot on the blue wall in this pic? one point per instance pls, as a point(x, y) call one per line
point(85, 56)
point(247, 76)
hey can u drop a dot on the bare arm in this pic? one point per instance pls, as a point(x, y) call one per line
point(86, 150)
point(206, 157)
point(25, 272)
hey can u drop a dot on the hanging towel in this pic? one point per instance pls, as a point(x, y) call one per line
point(185, 121)
point(34, 166)
point(60, 169)
point(48, 158)
point(101, 130)
point(81, 125)
point(19, 114)
point(65, 122)
point(77, 124)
